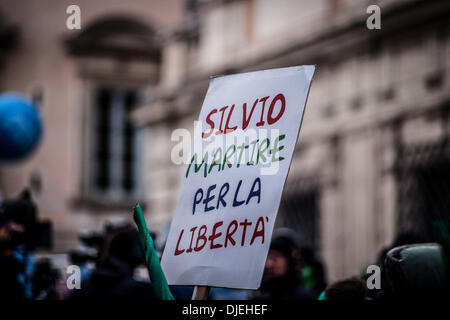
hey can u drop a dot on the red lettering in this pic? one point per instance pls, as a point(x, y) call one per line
point(261, 121)
point(270, 119)
point(247, 115)
point(192, 238)
point(215, 235)
point(227, 128)
point(245, 120)
point(244, 230)
point(178, 251)
point(229, 235)
point(220, 131)
point(258, 233)
point(201, 237)
point(217, 239)
point(211, 124)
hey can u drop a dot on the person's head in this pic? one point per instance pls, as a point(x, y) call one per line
point(21, 210)
point(281, 260)
point(352, 289)
point(277, 264)
point(417, 270)
point(10, 233)
point(124, 245)
point(17, 220)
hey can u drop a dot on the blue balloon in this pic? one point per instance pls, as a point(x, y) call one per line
point(20, 127)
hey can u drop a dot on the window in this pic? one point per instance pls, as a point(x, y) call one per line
point(423, 173)
point(115, 56)
point(115, 165)
point(299, 210)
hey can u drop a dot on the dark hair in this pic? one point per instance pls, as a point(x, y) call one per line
point(352, 289)
point(124, 245)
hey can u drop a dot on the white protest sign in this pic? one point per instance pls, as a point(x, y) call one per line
point(240, 158)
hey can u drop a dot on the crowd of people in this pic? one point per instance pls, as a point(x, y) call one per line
point(112, 264)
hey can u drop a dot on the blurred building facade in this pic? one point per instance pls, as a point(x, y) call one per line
point(87, 168)
point(372, 147)
point(375, 131)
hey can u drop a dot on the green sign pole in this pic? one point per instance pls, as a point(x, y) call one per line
point(155, 271)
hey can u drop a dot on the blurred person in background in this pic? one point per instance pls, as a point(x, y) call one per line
point(352, 289)
point(283, 273)
point(20, 234)
point(10, 267)
point(113, 276)
point(312, 271)
point(416, 271)
point(86, 254)
point(403, 238)
point(44, 281)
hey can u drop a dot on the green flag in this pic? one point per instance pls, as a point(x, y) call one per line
point(155, 272)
